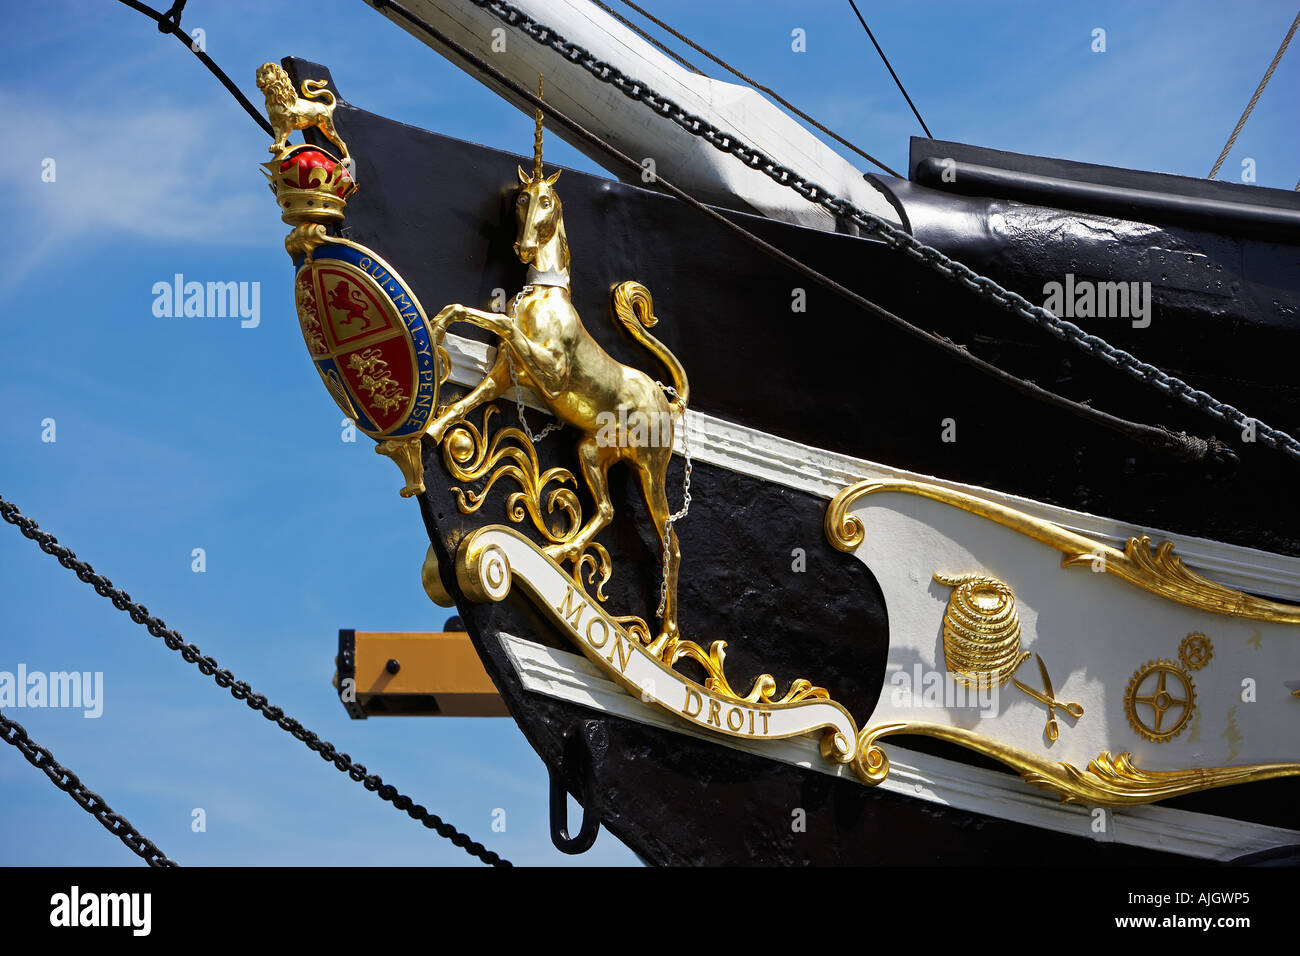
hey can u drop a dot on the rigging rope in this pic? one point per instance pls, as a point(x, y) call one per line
point(1227, 148)
point(170, 22)
point(899, 82)
point(1180, 445)
point(756, 85)
point(648, 37)
point(13, 733)
point(898, 239)
point(240, 690)
point(984, 287)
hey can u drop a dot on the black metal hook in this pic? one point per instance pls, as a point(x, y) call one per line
point(575, 755)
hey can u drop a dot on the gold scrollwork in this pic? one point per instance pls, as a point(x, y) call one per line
point(764, 689)
point(1159, 572)
point(1108, 781)
point(471, 453)
point(474, 453)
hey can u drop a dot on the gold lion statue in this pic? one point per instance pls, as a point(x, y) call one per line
point(288, 111)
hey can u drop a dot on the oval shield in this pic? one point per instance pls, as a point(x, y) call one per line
point(369, 338)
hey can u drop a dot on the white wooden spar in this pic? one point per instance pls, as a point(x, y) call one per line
point(686, 160)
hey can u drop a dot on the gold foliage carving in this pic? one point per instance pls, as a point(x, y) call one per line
point(1159, 571)
point(1108, 781)
point(547, 499)
point(764, 689)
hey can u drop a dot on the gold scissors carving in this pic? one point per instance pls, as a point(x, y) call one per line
point(1048, 696)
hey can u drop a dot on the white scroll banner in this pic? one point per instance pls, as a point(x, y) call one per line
point(493, 558)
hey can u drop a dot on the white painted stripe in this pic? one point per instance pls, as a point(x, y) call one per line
point(571, 677)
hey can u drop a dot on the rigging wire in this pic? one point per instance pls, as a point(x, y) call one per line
point(648, 37)
point(240, 690)
point(898, 239)
point(754, 83)
point(39, 757)
point(915, 112)
point(1277, 57)
point(170, 22)
point(1180, 445)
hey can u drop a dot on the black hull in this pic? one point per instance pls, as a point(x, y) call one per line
point(676, 800)
point(440, 211)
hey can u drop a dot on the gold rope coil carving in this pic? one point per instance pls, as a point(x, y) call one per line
point(981, 630)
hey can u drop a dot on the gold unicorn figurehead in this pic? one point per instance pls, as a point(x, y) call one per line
point(540, 241)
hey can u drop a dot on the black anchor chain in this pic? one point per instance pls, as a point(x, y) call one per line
point(239, 689)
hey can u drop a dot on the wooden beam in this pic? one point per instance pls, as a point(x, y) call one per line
point(408, 674)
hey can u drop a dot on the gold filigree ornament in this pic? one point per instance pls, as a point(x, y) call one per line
point(1109, 780)
point(549, 502)
point(764, 687)
point(1159, 571)
point(472, 454)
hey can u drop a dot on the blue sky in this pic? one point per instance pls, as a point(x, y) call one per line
point(182, 433)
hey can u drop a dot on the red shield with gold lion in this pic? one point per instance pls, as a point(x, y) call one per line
point(369, 338)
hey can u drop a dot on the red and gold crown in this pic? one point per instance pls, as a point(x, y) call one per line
point(310, 185)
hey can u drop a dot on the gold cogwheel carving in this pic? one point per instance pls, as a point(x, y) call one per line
point(1195, 651)
point(1156, 710)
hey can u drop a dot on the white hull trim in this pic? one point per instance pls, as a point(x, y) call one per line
point(572, 678)
point(683, 159)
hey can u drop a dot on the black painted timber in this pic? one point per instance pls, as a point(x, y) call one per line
point(1224, 318)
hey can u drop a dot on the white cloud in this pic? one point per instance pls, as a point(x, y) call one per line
point(161, 173)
